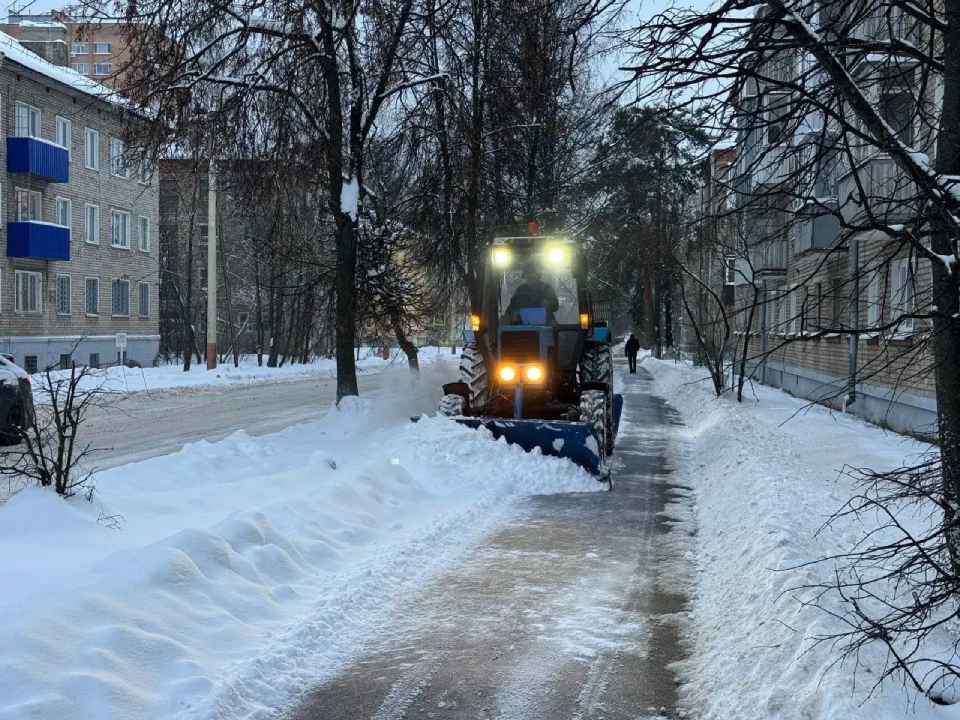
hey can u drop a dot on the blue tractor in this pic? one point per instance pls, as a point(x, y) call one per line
point(537, 367)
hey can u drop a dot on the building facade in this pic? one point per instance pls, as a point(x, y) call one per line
point(79, 278)
point(837, 297)
point(97, 51)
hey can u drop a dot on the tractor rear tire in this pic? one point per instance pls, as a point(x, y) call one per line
point(451, 405)
point(474, 374)
point(596, 364)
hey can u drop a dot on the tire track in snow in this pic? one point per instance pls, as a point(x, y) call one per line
point(407, 688)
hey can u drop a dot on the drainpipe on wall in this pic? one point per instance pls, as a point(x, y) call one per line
point(854, 321)
point(763, 334)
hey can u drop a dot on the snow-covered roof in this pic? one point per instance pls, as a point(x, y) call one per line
point(10, 49)
point(34, 23)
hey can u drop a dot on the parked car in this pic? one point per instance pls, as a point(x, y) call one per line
point(16, 402)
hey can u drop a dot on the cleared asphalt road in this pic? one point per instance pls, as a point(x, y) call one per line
point(143, 425)
point(573, 610)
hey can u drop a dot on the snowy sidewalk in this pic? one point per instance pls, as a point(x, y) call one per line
point(571, 609)
point(766, 475)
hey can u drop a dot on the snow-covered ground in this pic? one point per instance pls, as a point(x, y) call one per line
point(766, 475)
point(223, 579)
point(123, 379)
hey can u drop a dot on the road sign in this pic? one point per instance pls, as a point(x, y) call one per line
point(121, 341)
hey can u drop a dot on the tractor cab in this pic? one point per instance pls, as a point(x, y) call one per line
point(535, 320)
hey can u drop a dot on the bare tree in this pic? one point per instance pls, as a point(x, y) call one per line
point(848, 236)
point(51, 451)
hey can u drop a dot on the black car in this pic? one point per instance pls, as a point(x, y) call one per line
point(16, 402)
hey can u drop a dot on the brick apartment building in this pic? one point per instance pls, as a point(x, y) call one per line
point(830, 325)
point(95, 50)
point(81, 261)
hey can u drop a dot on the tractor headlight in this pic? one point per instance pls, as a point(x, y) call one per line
point(534, 373)
point(507, 373)
point(475, 323)
point(556, 255)
point(584, 321)
point(501, 257)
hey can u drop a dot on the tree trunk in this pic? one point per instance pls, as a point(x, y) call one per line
point(259, 301)
point(946, 329)
point(409, 349)
point(747, 334)
point(275, 309)
point(650, 311)
point(475, 262)
point(224, 273)
point(188, 335)
point(346, 317)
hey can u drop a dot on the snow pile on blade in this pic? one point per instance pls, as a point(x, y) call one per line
point(221, 580)
point(766, 475)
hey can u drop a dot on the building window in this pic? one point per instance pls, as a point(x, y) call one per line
point(92, 148)
point(79, 48)
point(82, 68)
point(118, 158)
point(121, 298)
point(30, 364)
point(64, 132)
point(120, 229)
point(902, 293)
point(29, 285)
point(66, 360)
point(101, 48)
point(93, 296)
point(28, 121)
point(101, 69)
point(144, 234)
point(64, 212)
point(144, 299)
point(777, 114)
point(63, 294)
point(92, 224)
point(898, 106)
point(873, 302)
point(730, 270)
point(94, 361)
point(794, 322)
point(29, 205)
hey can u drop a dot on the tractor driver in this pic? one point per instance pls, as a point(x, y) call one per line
point(533, 293)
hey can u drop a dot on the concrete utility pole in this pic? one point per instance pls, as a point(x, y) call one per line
point(212, 267)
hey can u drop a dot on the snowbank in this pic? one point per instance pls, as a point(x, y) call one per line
point(125, 380)
point(219, 581)
point(766, 477)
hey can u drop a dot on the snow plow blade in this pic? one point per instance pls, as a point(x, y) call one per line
point(572, 441)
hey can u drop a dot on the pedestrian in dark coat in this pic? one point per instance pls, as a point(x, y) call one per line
point(633, 347)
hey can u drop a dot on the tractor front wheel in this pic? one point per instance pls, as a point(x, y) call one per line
point(593, 412)
point(451, 405)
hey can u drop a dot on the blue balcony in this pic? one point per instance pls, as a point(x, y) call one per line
point(38, 157)
point(41, 241)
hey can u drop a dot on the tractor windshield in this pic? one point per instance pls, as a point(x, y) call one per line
point(517, 290)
